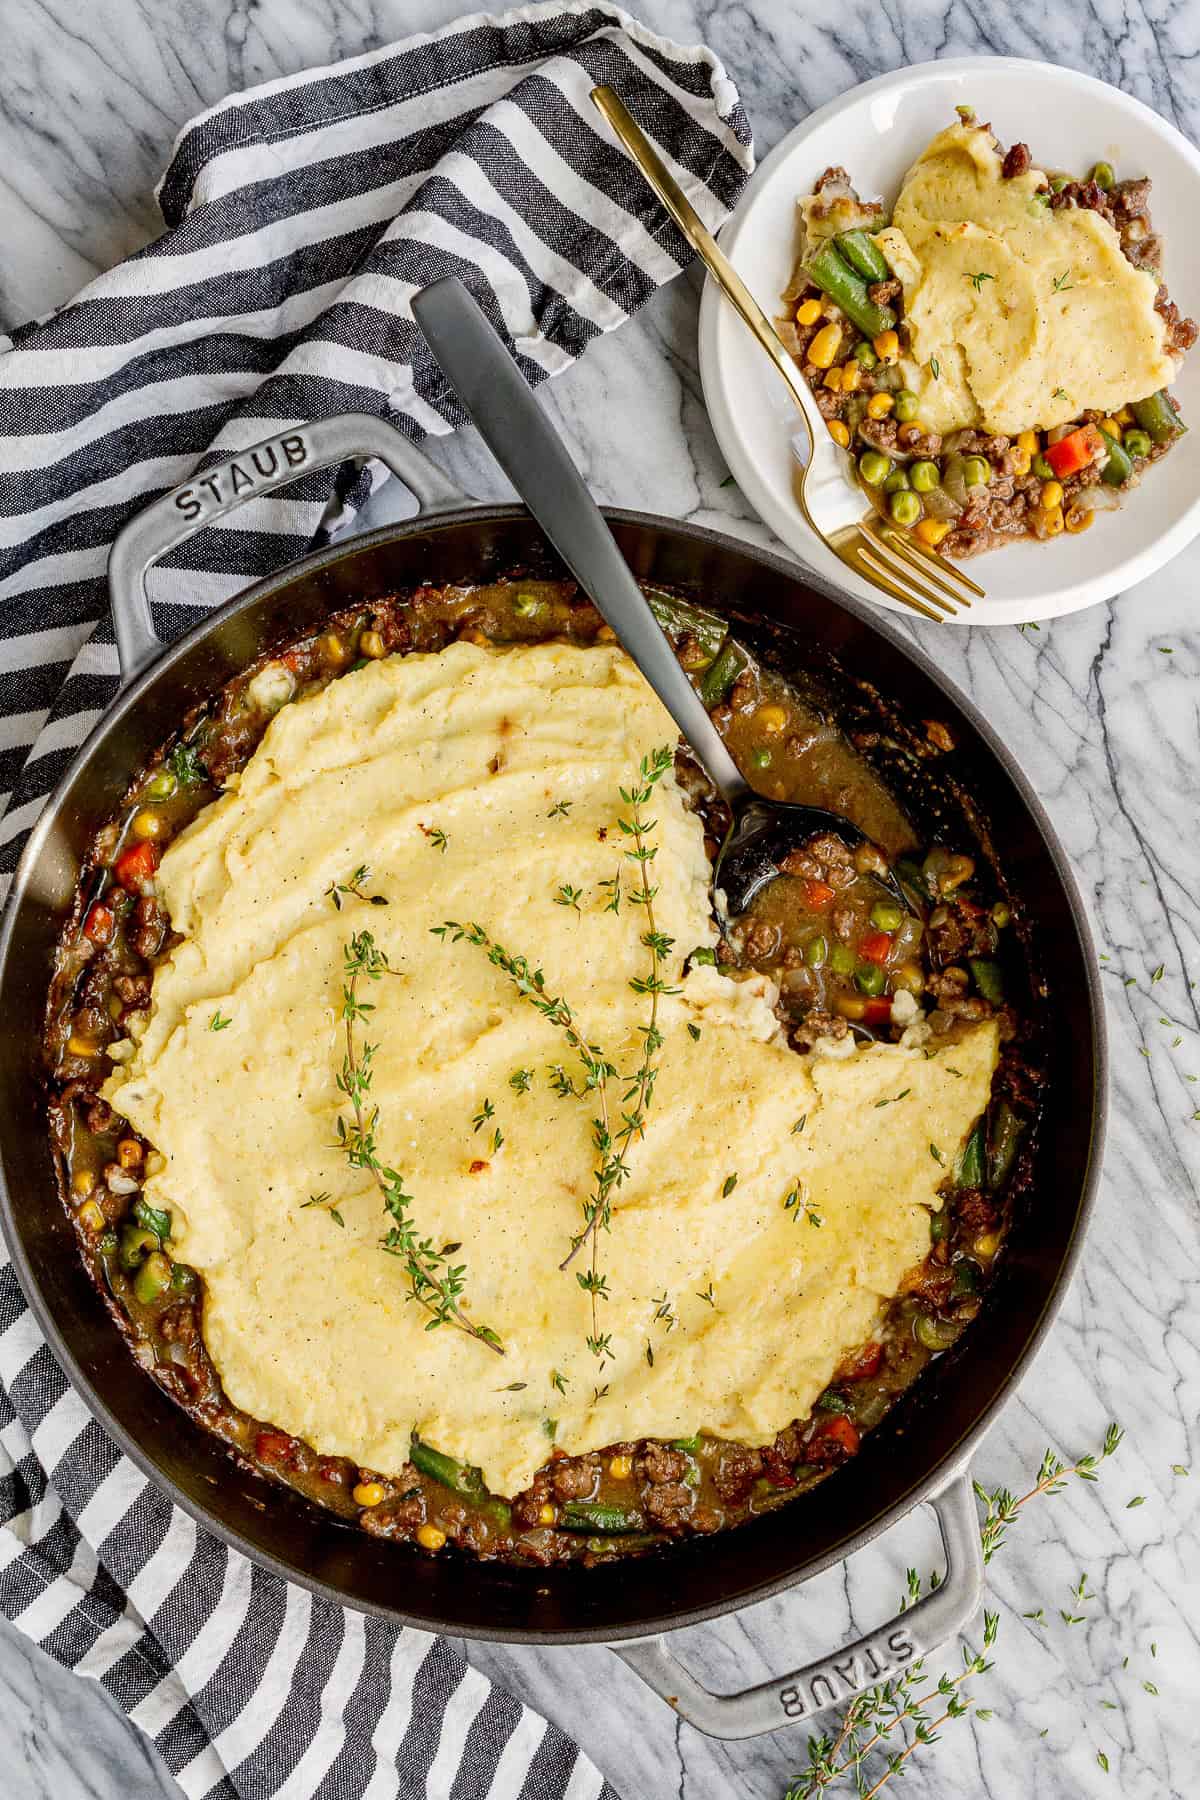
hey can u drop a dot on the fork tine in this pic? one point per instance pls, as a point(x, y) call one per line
point(876, 572)
point(905, 575)
point(912, 552)
point(929, 555)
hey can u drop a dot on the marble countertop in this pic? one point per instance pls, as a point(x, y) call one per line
point(1105, 724)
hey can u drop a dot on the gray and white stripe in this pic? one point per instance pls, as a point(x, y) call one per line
point(300, 218)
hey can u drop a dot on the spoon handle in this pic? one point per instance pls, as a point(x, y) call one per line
point(527, 447)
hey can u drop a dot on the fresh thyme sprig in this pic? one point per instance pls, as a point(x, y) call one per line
point(437, 1283)
point(635, 1102)
point(873, 1717)
point(356, 885)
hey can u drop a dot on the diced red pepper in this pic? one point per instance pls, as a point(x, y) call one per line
point(840, 1430)
point(98, 926)
point(878, 1011)
point(1075, 451)
point(876, 947)
point(818, 895)
point(136, 863)
point(860, 1365)
point(274, 1447)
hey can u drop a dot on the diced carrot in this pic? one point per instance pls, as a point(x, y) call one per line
point(877, 1011)
point(860, 1365)
point(136, 864)
point(274, 1447)
point(98, 926)
point(841, 1429)
point(1075, 451)
point(818, 895)
point(876, 947)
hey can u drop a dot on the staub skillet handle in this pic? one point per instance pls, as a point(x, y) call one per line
point(179, 515)
point(879, 1656)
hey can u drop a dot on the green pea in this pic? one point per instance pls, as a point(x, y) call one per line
point(869, 978)
point(886, 916)
point(162, 786)
point(896, 481)
point(182, 1279)
point(1001, 916)
point(134, 1243)
point(925, 476)
point(934, 1333)
point(153, 1278)
point(906, 407)
point(864, 354)
point(816, 951)
point(841, 960)
point(1137, 443)
point(906, 508)
point(525, 605)
point(1058, 183)
point(1104, 175)
point(873, 467)
point(977, 471)
point(761, 759)
point(1042, 469)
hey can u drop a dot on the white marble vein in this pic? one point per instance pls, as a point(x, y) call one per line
point(1105, 723)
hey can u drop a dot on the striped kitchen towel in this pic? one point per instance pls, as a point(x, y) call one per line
point(300, 218)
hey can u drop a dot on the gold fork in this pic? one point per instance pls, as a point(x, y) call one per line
point(827, 491)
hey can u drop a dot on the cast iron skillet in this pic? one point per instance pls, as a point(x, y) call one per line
point(918, 1454)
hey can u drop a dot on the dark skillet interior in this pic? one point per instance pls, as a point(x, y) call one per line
point(900, 1459)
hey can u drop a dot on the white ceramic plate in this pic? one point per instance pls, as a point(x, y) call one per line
point(1069, 121)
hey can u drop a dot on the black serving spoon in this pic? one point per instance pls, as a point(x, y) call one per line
point(527, 447)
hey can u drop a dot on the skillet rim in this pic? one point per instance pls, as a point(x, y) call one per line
point(933, 1480)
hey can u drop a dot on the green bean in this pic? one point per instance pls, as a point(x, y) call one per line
point(887, 916)
point(1137, 443)
point(906, 508)
point(720, 675)
point(873, 467)
point(864, 256)
point(152, 1218)
point(594, 1515)
point(989, 978)
point(969, 1173)
point(677, 617)
point(815, 952)
point(934, 1333)
point(1103, 174)
point(1118, 468)
point(135, 1245)
point(636, 1540)
point(906, 408)
point(688, 1444)
point(1156, 415)
point(835, 278)
point(869, 978)
point(925, 476)
point(1002, 1147)
point(832, 1401)
point(153, 1278)
point(441, 1468)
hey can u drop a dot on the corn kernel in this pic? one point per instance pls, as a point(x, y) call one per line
point(772, 719)
point(1112, 427)
point(909, 976)
point(879, 406)
point(822, 352)
point(430, 1538)
point(1053, 523)
point(833, 379)
point(369, 1493)
point(147, 823)
point(839, 433)
point(92, 1215)
point(370, 644)
point(887, 346)
point(851, 376)
point(932, 531)
point(80, 1046)
point(546, 1513)
point(808, 312)
point(82, 1182)
point(1051, 495)
point(1124, 417)
point(850, 1006)
point(621, 1468)
point(129, 1153)
point(987, 1243)
point(334, 650)
point(1030, 441)
point(1078, 519)
point(1021, 460)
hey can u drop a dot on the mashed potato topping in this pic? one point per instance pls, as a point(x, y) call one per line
point(1020, 316)
point(473, 783)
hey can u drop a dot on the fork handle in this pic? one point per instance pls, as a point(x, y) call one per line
point(536, 461)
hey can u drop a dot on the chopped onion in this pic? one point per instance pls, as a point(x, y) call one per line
point(941, 505)
point(1098, 498)
point(954, 480)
